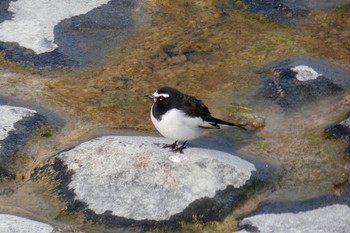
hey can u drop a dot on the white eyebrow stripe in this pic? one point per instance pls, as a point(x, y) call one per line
point(157, 95)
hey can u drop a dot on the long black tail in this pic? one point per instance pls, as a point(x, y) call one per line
point(217, 122)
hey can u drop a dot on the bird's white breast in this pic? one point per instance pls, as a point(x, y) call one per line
point(176, 125)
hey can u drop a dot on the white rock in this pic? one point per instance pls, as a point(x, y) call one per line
point(305, 73)
point(34, 20)
point(334, 218)
point(14, 224)
point(135, 178)
point(9, 115)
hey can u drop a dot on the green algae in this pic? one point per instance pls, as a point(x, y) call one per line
point(44, 132)
point(244, 115)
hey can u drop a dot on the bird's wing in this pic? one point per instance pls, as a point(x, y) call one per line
point(196, 108)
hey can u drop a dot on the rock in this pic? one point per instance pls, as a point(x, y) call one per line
point(4, 13)
point(121, 180)
point(291, 12)
point(67, 33)
point(17, 124)
point(322, 214)
point(299, 80)
point(15, 224)
point(85, 38)
point(341, 130)
point(347, 150)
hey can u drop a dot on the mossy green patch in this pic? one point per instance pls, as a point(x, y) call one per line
point(243, 115)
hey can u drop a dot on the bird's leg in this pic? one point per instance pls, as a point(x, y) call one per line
point(180, 148)
point(172, 146)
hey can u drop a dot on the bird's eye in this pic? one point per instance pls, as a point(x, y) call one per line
point(161, 98)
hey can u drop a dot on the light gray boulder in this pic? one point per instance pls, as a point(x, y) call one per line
point(334, 218)
point(323, 214)
point(123, 180)
point(15, 224)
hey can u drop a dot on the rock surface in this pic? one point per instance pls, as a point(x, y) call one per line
point(323, 214)
point(16, 125)
point(298, 80)
point(14, 224)
point(341, 130)
point(68, 33)
point(123, 178)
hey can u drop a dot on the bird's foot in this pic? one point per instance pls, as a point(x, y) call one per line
point(172, 146)
point(179, 149)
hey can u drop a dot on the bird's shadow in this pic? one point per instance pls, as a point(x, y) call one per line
point(226, 140)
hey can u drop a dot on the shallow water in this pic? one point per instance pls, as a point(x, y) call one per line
point(216, 54)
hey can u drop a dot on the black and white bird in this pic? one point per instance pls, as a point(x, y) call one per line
point(181, 117)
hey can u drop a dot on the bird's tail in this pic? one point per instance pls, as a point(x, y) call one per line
point(218, 122)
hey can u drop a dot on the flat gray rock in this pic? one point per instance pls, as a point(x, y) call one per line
point(333, 218)
point(65, 33)
point(15, 224)
point(135, 178)
point(323, 214)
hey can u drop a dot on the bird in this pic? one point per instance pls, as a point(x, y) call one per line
point(181, 117)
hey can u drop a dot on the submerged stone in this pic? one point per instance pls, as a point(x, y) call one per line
point(322, 214)
point(120, 180)
point(341, 130)
point(15, 224)
point(291, 12)
point(299, 80)
point(17, 124)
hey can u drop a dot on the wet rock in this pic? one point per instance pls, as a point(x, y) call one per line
point(341, 130)
point(4, 13)
point(322, 214)
point(123, 181)
point(299, 80)
point(17, 124)
point(65, 33)
point(291, 12)
point(15, 224)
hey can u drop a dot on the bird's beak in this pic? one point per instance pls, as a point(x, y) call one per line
point(151, 97)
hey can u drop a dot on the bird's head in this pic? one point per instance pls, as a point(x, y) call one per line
point(162, 94)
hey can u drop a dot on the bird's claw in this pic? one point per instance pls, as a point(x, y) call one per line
point(175, 147)
point(172, 146)
point(179, 149)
